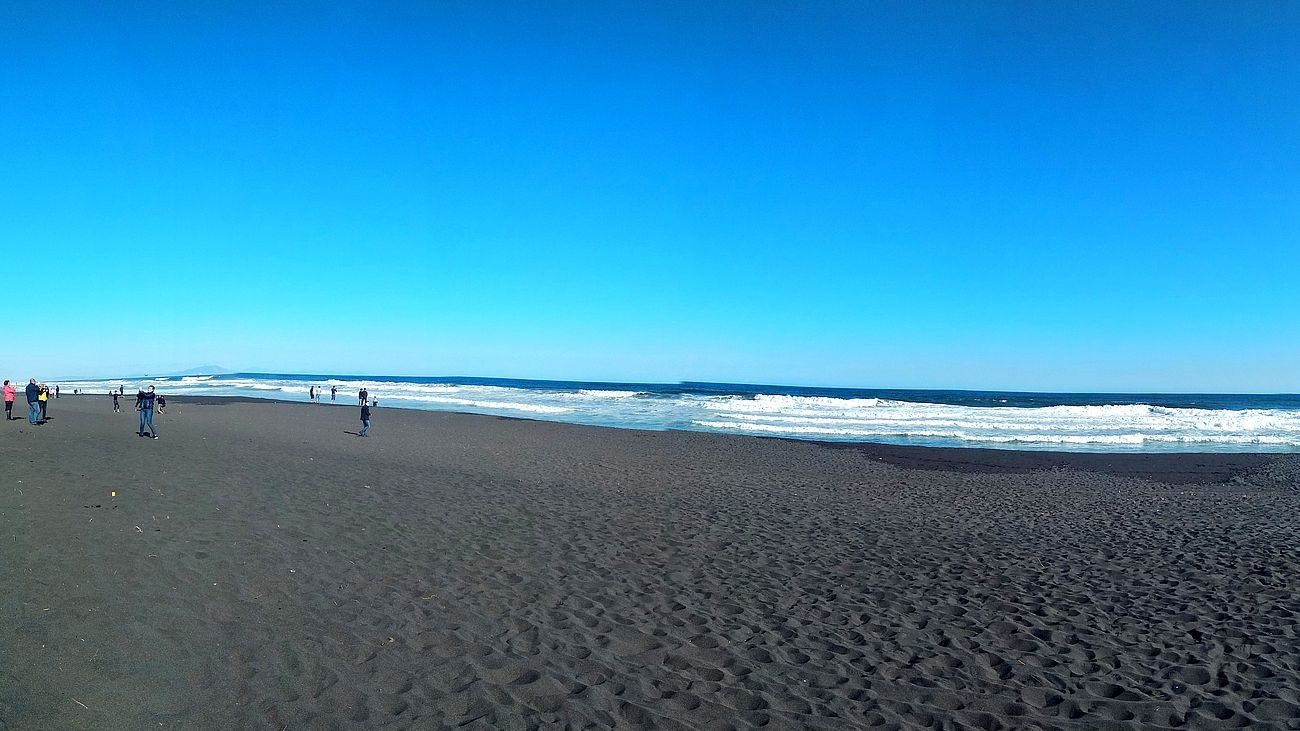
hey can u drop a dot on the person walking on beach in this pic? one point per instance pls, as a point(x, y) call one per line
point(9, 401)
point(33, 402)
point(56, 390)
point(117, 408)
point(311, 394)
point(43, 398)
point(361, 396)
point(365, 420)
point(147, 399)
point(334, 390)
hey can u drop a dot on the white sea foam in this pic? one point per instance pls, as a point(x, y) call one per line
point(481, 404)
point(1119, 426)
point(601, 393)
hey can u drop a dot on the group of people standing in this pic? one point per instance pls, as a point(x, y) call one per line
point(365, 413)
point(39, 395)
point(38, 401)
point(315, 394)
point(147, 401)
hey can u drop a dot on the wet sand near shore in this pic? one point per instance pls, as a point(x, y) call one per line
point(260, 566)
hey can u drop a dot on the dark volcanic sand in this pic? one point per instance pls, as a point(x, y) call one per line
point(261, 568)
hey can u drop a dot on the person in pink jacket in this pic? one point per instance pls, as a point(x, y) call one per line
point(9, 400)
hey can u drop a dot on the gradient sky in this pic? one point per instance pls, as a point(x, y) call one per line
point(1035, 196)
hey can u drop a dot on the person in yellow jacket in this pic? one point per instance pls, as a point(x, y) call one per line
point(43, 399)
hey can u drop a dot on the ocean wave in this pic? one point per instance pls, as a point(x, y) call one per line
point(600, 393)
point(1137, 439)
point(795, 404)
point(965, 436)
point(818, 430)
point(1139, 426)
point(534, 408)
point(1102, 411)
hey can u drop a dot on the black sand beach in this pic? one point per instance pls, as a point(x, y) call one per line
point(260, 567)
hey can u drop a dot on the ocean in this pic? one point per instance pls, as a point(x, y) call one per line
point(1094, 422)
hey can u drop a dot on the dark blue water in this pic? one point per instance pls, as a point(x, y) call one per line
point(989, 419)
point(1015, 399)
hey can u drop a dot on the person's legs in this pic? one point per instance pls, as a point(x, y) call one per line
point(365, 427)
point(148, 419)
point(33, 411)
point(9, 410)
point(140, 431)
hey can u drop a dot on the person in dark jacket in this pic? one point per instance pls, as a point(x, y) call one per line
point(33, 402)
point(146, 413)
point(365, 420)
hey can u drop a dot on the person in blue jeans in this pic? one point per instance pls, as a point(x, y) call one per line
point(365, 420)
point(33, 402)
point(146, 413)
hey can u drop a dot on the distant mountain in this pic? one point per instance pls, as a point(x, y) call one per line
point(207, 370)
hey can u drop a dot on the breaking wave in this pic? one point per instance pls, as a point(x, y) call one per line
point(1103, 427)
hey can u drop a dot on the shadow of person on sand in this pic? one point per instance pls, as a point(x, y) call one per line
point(355, 434)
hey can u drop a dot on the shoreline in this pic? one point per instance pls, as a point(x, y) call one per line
point(1047, 423)
point(1168, 466)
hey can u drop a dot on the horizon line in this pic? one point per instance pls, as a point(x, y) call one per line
point(393, 377)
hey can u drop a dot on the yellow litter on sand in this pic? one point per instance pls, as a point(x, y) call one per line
point(113, 493)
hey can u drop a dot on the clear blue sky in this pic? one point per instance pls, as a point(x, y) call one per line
point(1037, 195)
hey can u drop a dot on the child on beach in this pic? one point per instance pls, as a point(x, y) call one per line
point(365, 420)
point(162, 404)
point(43, 398)
point(9, 400)
point(117, 408)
